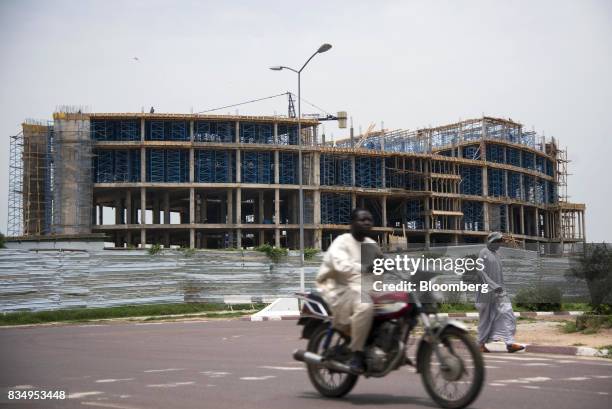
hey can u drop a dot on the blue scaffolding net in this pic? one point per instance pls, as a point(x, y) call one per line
point(335, 170)
point(514, 185)
point(212, 131)
point(368, 171)
point(288, 167)
point(415, 220)
point(256, 167)
point(471, 180)
point(256, 133)
point(497, 185)
point(166, 131)
point(214, 166)
point(473, 217)
point(167, 165)
point(335, 208)
point(115, 166)
point(112, 130)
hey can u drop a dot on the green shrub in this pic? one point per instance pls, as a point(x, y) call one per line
point(155, 249)
point(309, 253)
point(590, 324)
point(539, 298)
point(2, 241)
point(274, 253)
point(569, 327)
point(187, 252)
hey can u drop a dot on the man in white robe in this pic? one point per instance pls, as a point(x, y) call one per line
point(496, 318)
point(339, 280)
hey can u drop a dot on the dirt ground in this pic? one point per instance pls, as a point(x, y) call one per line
point(547, 331)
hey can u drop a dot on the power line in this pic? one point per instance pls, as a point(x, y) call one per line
point(243, 103)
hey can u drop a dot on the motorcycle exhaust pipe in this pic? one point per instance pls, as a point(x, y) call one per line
point(315, 359)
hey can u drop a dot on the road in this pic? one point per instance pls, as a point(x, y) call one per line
point(239, 364)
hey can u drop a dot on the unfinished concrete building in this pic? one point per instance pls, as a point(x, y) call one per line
point(221, 181)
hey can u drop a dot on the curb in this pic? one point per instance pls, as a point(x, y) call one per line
point(572, 351)
point(468, 315)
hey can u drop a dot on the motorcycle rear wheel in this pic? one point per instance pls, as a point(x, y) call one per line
point(328, 383)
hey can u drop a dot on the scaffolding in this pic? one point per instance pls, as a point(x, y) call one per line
point(529, 188)
point(256, 133)
point(415, 220)
point(166, 130)
point(287, 134)
point(167, 165)
point(496, 181)
point(497, 217)
point(513, 156)
point(473, 217)
point(528, 160)
point(368, 171)
point(109, 130)
point(15, 197)
point(471, 152)
point(514, 185)
point(206, 131)
point(257, 167)
point(335, 208)
point(288, 166)
point(471, 180)
point(214, 166)
point(335, 170)
point(495, 153)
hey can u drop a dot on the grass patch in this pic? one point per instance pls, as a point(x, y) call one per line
point(274, 253)
point(89, 314)
point(578, 344)
point(456, 307)
point(569, 327)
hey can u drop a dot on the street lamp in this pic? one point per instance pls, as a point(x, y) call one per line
point(322, 49)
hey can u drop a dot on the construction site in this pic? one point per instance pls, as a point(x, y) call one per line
point(231, 181)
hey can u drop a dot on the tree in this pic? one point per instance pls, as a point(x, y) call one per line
point(595, 266)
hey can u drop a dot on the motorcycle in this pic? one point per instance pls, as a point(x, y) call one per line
point(447, 358)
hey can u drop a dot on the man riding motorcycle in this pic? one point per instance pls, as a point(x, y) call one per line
point(339, 280)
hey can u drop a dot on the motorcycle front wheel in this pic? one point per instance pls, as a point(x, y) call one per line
point(457, 381)
point(330, 383)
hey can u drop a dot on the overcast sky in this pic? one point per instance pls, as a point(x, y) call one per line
point(411, 64)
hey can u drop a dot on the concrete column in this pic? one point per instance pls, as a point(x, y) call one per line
point(275, 136)
point(277, 214)
point(522, 219)
point(142, 129)
point(143, 165)
point(143, 216)
point(318, 233)
point(353, 171)
point(506, 182)
point(166, 207)
point(191, 133)
point(276, 166)
point(583, 227)
point(486, 216)
point(485, 181)
point(239, 206)
point(427, 224)
point(238, 167)
point(383, 204)
point(191, 238)
point(536, 220)
point(143, 205)
point(191, 164)
point(230, 207)
point(237, 138)
point(382, 165)
point(316, 156)
point(191, 206)
point(353, 200)
point(508, 229)
point(128, 207)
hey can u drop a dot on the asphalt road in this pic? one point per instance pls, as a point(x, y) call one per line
point(239, 364)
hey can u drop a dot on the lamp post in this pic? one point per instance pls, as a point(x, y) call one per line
point(322, 49)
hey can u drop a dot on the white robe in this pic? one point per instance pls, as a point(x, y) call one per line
point(496, 318)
